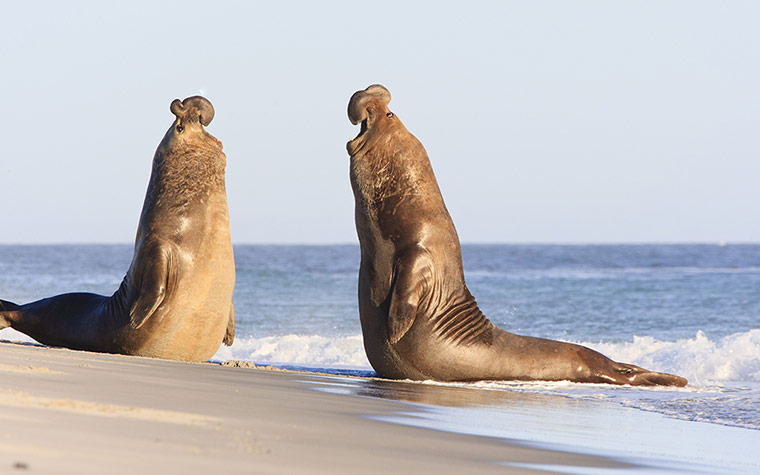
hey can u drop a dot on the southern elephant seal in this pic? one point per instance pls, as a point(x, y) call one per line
point(175, 301)
point(418, 319)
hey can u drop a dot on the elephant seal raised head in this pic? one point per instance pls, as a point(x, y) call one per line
point(418, 319)
point(176, 300)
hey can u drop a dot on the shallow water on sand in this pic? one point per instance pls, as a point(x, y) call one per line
point(692, 310)
point(653, 443)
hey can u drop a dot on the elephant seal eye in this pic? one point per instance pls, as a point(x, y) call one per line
point(389, 115)
point(180, 128)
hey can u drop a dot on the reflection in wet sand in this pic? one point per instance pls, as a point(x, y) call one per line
point(443, 394)
point(448, 395)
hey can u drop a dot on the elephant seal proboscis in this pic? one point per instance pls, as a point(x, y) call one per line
point(175, 301)
point(418, 319)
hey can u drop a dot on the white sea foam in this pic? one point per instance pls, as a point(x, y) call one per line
point(700, 359)
point(314, 351)
point(9, 334)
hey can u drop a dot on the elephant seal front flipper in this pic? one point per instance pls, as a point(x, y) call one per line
point(405, 297)
point(229, 336)
point(175, 301)
point(155, 277)
point(419, 320)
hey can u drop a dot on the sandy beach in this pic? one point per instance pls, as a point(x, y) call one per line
point(66, 411)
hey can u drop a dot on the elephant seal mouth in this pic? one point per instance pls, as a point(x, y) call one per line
point(356, 143)
point(364, 107)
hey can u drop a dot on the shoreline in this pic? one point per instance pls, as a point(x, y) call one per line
point(73, 411)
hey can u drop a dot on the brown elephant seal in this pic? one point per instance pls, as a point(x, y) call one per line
point(176, 300)
point(418, 319)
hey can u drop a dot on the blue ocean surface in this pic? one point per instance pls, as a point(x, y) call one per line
point(693, 310)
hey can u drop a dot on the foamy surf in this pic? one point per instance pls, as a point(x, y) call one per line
point(309, 351)
point(701, 360)
point(9, 334)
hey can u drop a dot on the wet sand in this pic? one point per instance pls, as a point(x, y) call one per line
point(66, 411)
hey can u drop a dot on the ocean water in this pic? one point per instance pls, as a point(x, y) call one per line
point(693, 310)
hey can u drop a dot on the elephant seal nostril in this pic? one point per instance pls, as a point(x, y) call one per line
point(360, 101)
point(195, 108)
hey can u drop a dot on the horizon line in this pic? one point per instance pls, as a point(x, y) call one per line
point(356, 243)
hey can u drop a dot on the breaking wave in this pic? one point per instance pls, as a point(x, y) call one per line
point(701, 360)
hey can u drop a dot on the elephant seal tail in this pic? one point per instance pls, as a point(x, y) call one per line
point(7, 309)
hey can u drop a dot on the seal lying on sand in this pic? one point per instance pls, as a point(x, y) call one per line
point(418, 319)
point(176, 300)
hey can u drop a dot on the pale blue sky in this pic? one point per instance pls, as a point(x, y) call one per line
point(567, 122)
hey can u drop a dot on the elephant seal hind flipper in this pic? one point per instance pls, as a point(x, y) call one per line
point(637, 376)
point(6, 306)
point(6, 309)
point(419, 320)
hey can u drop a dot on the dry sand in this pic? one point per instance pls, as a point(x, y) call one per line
point(64, 411)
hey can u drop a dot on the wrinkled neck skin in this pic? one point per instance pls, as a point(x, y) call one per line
point(390, 165)
point(185, 165)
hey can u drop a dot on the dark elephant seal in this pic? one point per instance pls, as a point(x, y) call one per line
point(176, 300)
point(418, 319)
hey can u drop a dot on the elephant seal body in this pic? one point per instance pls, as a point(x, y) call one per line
point(418, 319)
point(175, 301)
